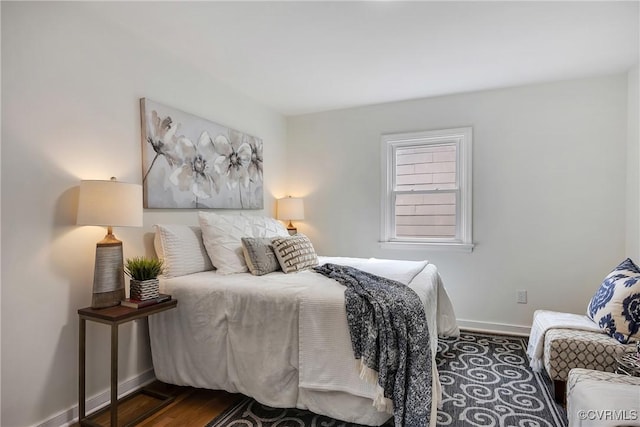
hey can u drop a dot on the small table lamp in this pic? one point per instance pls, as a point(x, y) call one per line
point(109, 203)
point(290, 208)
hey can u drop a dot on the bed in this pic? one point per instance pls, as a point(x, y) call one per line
point(283, 338)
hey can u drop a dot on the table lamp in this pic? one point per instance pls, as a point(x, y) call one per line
point(109, 203)
point(290, 208)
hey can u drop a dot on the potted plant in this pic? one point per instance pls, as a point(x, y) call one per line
point(144, 274)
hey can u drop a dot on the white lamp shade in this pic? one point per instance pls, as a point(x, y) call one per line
point(290, 208)
point(110, 203)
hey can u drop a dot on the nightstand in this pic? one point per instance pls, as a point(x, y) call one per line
point(114, 317)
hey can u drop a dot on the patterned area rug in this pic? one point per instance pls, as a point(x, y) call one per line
point(486, 381)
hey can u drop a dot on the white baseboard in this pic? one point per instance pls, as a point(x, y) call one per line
point(70, 416)
point(495, 328)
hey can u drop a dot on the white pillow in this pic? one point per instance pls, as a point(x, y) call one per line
point(263, 226)
point(181, 249)
point(222, 234)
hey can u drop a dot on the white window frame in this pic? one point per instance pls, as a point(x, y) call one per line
point(462, 137)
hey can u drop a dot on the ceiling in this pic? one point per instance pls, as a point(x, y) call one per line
point(301, 57)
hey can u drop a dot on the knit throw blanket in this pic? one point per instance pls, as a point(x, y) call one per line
point(390, 340)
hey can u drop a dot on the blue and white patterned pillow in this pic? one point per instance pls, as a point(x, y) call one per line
point(616, 305)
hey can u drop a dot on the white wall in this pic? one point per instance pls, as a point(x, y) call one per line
point(633, 161)
point(70, 89)
point(549, 171)
point(0, 226)
point(549, 187)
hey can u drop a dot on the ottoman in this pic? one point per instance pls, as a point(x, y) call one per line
point(602, 399)
point(565, 349)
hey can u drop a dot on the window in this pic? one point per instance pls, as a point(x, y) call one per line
point(426, 196)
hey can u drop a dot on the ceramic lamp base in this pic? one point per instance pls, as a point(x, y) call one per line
point(107, 299)
point(108, 276)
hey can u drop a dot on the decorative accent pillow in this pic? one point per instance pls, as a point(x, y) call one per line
point(181, 249)
point(222, 234)
point(616, 305)
point(294, 253)
point(259, 255)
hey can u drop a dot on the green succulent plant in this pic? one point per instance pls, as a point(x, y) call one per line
point(143, 268)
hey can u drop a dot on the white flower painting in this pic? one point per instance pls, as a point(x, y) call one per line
point(193, 163)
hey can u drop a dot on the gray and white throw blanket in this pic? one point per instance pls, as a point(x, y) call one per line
point(390, 337)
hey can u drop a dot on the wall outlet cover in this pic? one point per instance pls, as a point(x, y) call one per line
point(521, 297)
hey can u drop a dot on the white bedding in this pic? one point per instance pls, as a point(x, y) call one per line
point(282, 338)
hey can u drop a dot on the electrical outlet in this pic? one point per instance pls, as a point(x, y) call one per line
point(521, 297)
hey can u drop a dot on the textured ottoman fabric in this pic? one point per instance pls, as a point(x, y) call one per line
point(565, 349)
point(578, 375)
point(601, 399)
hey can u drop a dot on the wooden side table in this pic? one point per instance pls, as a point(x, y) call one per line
point(114, 317)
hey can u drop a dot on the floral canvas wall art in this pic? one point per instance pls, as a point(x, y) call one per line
point(190, 162)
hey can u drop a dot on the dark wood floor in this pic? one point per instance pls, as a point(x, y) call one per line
point(190, 407)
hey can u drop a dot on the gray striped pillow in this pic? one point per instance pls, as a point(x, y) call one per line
point(294, 253)
point(259, 255)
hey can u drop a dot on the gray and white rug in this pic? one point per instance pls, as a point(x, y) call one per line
point(486, 381)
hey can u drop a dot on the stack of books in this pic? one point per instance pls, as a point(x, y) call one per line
point(138, 303)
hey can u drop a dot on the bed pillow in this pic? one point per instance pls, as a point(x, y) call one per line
point(259, 255)
point(264, 226)
point(616, 305)
point(221, 235)
point(181, 249)
point(294, 253)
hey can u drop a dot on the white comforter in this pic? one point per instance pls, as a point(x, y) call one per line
point(282, 338)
